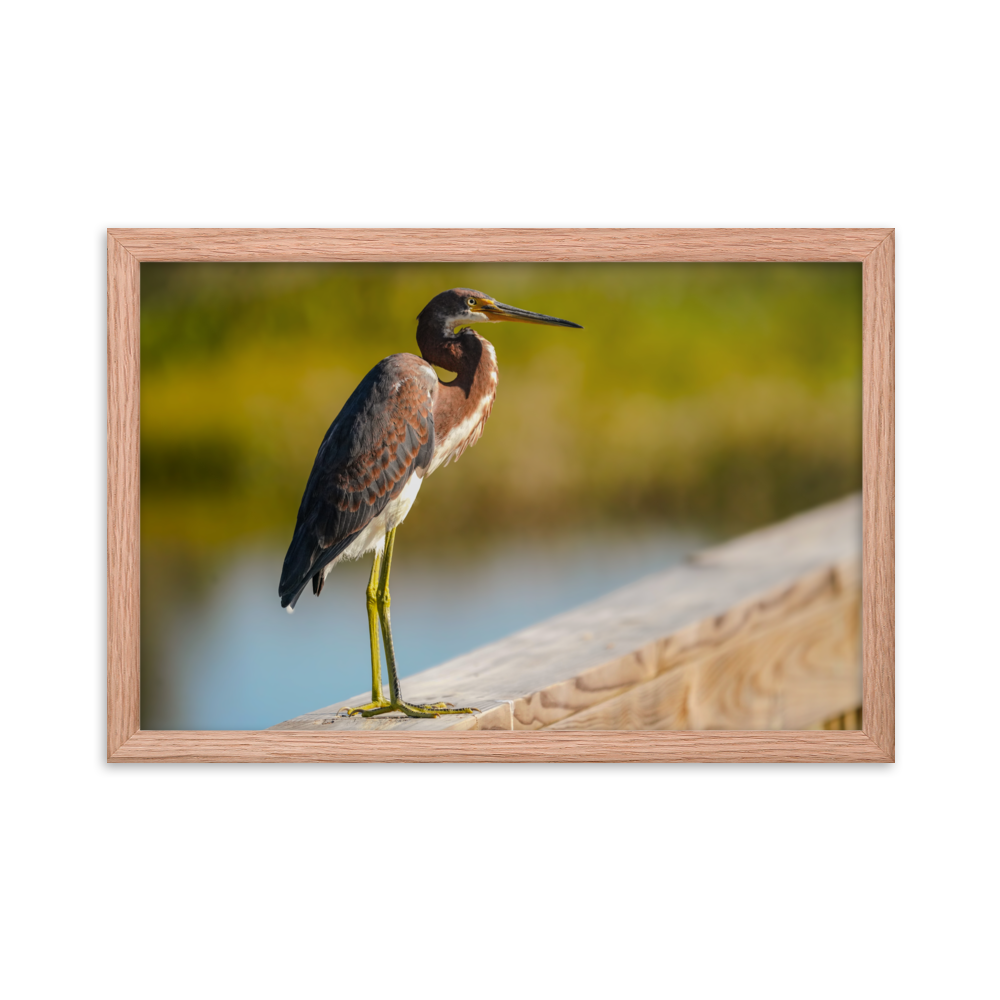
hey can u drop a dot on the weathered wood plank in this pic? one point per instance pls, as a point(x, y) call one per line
point(786, 676)
point(760, 633)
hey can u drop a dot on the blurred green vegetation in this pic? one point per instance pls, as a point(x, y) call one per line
point(727, 395)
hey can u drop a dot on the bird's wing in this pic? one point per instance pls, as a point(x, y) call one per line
point(382, 436)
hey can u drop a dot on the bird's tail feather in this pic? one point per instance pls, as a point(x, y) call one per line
point(288, 603)
point(305, 561)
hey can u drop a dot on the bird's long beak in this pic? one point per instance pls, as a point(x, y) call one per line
point(499, 313)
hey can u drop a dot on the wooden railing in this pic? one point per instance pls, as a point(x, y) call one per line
point(762, 632)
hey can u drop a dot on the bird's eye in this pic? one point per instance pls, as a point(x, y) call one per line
point(472, 302)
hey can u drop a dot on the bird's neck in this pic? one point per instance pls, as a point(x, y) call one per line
point(471, 394)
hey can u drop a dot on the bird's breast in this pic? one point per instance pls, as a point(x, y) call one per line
point(462, 433)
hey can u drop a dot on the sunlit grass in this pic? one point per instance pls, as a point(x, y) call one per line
point(724, 394)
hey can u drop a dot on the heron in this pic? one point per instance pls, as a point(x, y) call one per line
point(398, 426)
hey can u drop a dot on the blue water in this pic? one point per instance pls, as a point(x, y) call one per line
point(233, 659)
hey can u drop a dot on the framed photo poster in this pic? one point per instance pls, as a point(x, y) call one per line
point(873, 248)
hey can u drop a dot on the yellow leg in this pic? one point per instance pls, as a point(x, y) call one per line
point(396, 702)
point(371, 594)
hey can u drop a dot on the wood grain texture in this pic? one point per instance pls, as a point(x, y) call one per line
point(784, 677)
point(758, 633)
point(879, 492)
point(123, 495)
point(500, 244)
point(515, 747)
point(127, 247)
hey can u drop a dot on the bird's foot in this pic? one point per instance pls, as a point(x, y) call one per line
point(372, 708)
point(430, 711)
point(433, 710)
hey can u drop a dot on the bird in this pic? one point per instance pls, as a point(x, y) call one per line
point(400, 424)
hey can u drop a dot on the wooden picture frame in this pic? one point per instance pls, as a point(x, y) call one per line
point(873, 248)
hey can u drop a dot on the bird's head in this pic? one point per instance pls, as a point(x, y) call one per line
point(459, 306)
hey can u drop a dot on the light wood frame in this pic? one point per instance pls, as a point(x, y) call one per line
point(874, 248)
